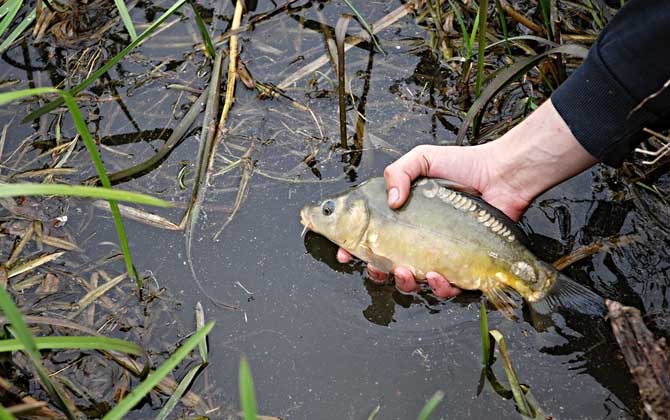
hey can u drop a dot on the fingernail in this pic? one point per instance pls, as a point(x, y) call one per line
point(394, 195)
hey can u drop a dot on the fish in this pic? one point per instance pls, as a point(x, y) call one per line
point(446, 228)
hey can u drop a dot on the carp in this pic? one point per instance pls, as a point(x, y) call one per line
point(443, 228)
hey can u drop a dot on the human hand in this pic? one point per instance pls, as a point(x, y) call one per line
point(509, 173)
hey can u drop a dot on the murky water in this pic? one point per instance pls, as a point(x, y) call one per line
point(324, 342)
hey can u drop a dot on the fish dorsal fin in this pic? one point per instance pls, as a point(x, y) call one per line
point(567, 294)
point(456, 186)
point(501, 300)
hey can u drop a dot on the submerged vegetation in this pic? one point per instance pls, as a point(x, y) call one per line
point(65, 315)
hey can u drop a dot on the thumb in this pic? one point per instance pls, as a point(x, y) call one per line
point(400, 174)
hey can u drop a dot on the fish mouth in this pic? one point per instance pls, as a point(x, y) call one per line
point(306, 222)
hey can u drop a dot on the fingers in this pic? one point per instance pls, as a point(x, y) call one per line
point(343, 256)
point(376, 275)
point(404, 280)
point(441, 286)
point(400, 174)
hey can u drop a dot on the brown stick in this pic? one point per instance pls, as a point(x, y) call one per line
point(520, 18)
point(647, 358)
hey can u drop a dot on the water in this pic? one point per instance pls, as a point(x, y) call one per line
point(322, 340)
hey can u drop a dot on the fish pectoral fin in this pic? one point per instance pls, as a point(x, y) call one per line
point(568, 294)
point(501, 300)
point(379, 262)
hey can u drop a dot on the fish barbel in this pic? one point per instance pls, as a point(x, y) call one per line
point(448, 231)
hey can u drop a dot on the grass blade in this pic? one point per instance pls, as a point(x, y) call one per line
point(546, 14)
point(6, 415)
point(75, 343)
point(27, 189)
point(179, 392)
point(127, 404)
point(365, 25)
point(430, 406)
point(82, 129)
point(23, 334)
point(374, 412)
point(102, 70)
point(464, 29)
point(503, 25)
point(508, 75)
point(486, 339)
point(199, 323)
point(206, 39)
point(473, 35)
point(18, 31)
point(517, 392)
point(483, 13)
point(247, 395)
point(12, 10)
point(125, 17)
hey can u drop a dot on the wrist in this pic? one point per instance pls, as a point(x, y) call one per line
point(537, 154)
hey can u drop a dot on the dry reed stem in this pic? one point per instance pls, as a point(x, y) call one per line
point(350, 42)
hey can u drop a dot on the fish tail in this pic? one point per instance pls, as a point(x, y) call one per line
point(567, 294)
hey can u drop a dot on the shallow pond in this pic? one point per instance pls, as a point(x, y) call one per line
point(322, 340)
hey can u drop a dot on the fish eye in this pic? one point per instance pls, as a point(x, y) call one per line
point(328, 207)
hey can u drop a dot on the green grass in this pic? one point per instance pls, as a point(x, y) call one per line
point(6, 415)
point(102, 70)
point(430, 406)
point(247, 394)
point(364, 23)
point(23, 334)
point(29, 189)
point(74, 342)
point(206, 39)
point(82, 129)
point(486, 338)
point(132, 399)
point(8, 12)
point(125, 17)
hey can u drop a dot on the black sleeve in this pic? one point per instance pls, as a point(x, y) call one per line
point(629, 61)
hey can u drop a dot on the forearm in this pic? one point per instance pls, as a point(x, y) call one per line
point(537, 154)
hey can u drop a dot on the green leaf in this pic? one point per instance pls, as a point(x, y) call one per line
point(430, 406)
point(91, 342)
point(179, 392)
point(82, 129)
point(18, 31)
point(486, 339)
point(247, 395)
point(127, 404)
point(102, 70)
point(5, 414)
point(125, 17)
point(507, 76)
point(29, 189)
point(364, 23)
point(26, 338)
point(7, 97)
point(13, 9)
point(206, 39)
